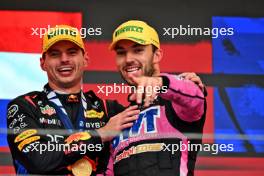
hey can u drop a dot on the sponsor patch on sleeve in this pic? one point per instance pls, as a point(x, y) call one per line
point(27, 141)
point(25, 134)
point(12, 110)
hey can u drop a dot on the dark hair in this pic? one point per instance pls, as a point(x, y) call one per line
point(154, 48)
point(44, 55)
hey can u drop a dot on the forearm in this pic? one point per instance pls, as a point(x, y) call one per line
point(186, 97)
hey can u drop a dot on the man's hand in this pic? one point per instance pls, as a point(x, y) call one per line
point(119, 122)
point(194, 78)
point(147, 89)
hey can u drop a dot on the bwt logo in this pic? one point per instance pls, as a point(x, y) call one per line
point(148, 118)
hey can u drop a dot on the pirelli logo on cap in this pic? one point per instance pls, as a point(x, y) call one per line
point(136, 31)
point(129, 28)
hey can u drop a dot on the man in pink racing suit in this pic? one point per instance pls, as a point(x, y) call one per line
point(159, 142)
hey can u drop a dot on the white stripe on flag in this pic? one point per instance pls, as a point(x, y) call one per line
point(20, 73)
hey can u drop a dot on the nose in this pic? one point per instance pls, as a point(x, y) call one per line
point(129, 57)
point(64, 57)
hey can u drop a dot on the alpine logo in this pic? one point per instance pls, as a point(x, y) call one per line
point(146, 119)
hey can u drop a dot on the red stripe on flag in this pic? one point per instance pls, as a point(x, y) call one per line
point(187, 57)
point(218, 166)
point(177, 57)
point(218, 172)
point(7, 170)
point(4, 149)
point(17, 28)
point(101, 58)
point(243, 163)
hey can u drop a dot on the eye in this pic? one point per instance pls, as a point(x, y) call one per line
point(72, 52)
point(54, 54)
point(138, 50)
point(120, 52)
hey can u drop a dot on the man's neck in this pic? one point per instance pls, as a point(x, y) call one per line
point(66, 90)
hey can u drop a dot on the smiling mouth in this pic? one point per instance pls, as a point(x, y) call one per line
point(65, 70)
point(131, 69)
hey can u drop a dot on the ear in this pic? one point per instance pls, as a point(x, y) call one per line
point(158, 54)
point(86, 59)
point(156, 71)
point(42, 63)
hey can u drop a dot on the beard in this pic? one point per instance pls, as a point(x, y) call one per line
point(148, 70)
